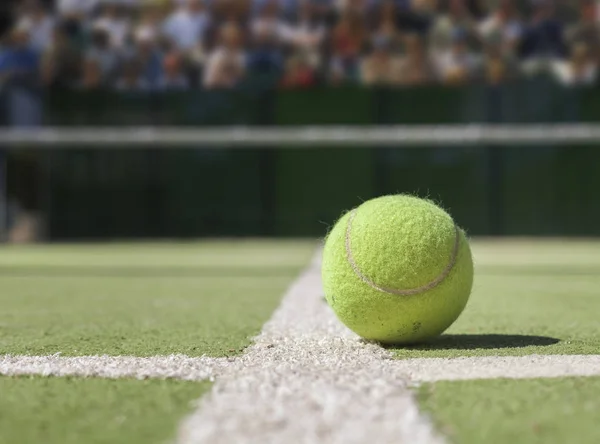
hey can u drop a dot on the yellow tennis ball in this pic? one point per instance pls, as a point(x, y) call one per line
point(397, 269)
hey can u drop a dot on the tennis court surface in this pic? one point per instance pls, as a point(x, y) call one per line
point(232, 341)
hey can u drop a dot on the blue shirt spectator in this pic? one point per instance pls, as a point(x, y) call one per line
point(265, 56)
point(265, 59)
point(18, 61)
point(15, 62)
point(544, 35)
point(149, 57)
point(19, 72)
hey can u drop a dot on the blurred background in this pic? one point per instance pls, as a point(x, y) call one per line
point(273, 64)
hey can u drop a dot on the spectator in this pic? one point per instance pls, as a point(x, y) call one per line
point(151, 21)
point(586, 29)
point(348, 40)
point(131, 78)
point(40, 24)
point(112, 20)
point(19, 72)
point(61, 62)
point(101, 58)
point(226, 65)
point(268, 33)
point(381, 66)
point(458, 65)
point(148, 55)
point(173, 77)
point(416, 67)
point(265, 55)
point(416, 16)
point(227, 11)
point(187, 26)
point(269, 21)
point(543, 42)
point(445, 25)
point(73, 15)
point(504, 25)
point(19, 63)
point(299, 73)
point(580, 69)
point(308, 35)
point(384, 23)
point(498, 67)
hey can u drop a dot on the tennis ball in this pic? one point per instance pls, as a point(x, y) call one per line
point(397, 269)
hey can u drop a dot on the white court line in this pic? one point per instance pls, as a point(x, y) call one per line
point(307, 379)
point(204, 368)
point(491, 367)
point(158, 367)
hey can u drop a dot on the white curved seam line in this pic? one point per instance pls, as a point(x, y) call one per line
point(408, 292)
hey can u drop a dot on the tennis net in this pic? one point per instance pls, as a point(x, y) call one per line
point(339, 136)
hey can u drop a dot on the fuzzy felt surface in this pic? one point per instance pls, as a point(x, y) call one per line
point(400, 242)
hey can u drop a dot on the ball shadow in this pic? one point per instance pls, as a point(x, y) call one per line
point(486, 341)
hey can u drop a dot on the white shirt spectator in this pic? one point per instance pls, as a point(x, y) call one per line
point(40, 31)
point(186, 27)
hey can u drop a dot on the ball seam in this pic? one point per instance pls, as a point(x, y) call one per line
point(408, 292)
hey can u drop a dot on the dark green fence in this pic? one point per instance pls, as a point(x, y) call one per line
point(524, 102)
point(200, 191)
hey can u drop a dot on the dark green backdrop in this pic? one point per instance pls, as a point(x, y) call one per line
point(200, 191)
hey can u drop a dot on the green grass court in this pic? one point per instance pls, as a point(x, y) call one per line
point(211, 298)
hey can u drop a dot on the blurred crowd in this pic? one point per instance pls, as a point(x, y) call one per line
point(180, 44)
